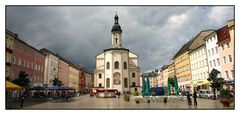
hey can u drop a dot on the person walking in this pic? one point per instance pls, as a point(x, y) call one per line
point(189, 98)
point(195, 98)
point(22, 100)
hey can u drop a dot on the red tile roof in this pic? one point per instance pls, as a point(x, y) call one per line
point(223, 34)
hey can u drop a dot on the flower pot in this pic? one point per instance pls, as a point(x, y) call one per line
point(137, 101)
point(226, 104)
point(148, 101)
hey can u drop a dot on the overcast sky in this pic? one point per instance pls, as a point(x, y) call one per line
point(79, 33)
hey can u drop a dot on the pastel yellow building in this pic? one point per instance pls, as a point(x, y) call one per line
point(182, 67)
point(171, 70)
point(9, 51)
point(73, 77)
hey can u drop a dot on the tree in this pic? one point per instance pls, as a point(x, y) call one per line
point(172, 82)
point(22, 79)
point(56, 82)
point(215, 82)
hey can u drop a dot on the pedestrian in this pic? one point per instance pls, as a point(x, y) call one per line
point(189, 98)
point(195, 98)
point(22, 100)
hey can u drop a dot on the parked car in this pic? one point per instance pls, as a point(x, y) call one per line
point(205, 93)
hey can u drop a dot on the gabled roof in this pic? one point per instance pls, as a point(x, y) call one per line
point(200, 39)
point(185, 47)
point(223, 34)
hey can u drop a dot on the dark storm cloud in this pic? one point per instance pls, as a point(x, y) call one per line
point(80, 33)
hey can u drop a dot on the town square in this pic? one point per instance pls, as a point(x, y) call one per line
point(120, 57)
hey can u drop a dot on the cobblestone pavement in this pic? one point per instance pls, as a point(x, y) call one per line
point(85, 102)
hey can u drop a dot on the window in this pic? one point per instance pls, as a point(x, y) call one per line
point(212, 51)
point(100, 76)
point(214, 63)
point(116, 78)
point(202, 62)
point(209, 53)
point(108, 82)
point(125, 82)
point(230, 58)
point(228, 45)
point(19, 61)
point(218, 61)
point(216, 49)
point(108, 65)
point(133, 75)
point(14, 60)
point(232, 71)
point(125, 65)
point(99, 85)
point(133, 84)
point(116, 65)
point(227, 76)
point(222, 47)
point(224, 59)
point(210, 63)
point(135, 89)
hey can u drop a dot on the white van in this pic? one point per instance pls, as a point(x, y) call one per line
point(205, 93)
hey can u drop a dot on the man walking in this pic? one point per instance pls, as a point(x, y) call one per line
point(195, 98)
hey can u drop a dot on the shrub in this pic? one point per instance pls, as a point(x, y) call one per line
point(225, 93)
point(126, 98)
point(153, 93)
point(135, 93)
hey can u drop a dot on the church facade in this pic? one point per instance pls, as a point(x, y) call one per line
point(117, 67)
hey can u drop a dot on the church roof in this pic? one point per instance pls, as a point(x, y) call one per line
point(116, 49)
point(116, 26)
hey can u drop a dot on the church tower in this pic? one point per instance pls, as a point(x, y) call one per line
point(117, 67)
point(116, 34)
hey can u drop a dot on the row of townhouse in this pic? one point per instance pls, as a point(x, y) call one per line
point(210, 49)
point(42, 66)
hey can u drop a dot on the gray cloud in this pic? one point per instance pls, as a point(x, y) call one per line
point(79, 33)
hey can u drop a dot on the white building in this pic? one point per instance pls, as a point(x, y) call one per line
point(212, 52)
point(199, 63)
point(51, 66)
point(117, 67)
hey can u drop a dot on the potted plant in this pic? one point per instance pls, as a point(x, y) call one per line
point(137, 100)
point(165, 99)
point(135, 93)
point(126, 98)
point(226, 97)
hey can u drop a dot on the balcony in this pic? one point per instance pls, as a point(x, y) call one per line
point(9, 50)
point(8, 64)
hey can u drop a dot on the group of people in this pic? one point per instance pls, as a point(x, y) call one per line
point(189, 100)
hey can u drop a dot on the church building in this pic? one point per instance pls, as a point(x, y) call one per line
point(117, 67)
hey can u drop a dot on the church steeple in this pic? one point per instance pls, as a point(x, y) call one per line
point(116, 33)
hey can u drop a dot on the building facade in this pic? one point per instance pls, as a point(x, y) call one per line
point(51, 66)
point(63, 71)
point(165, 76)
point(89, 78)
point(117, 67)
point(225, 53)
point(82, 79)
point(213, 53)
point(183, 67)
point(73, 77)
point(199, 63)
point(28, 59)
point(9, 52)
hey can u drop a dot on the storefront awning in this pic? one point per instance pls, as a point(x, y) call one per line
point(11, 86)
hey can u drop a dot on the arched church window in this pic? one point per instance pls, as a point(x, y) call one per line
point(125, 65)
point(108, 65)
point(116, 65)
point(116, 78)
point(108, 82)
point(100, 76)
point(116, 39)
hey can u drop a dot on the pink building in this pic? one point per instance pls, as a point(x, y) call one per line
point(63, 71)
point(225, 49)
point(28, 59)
